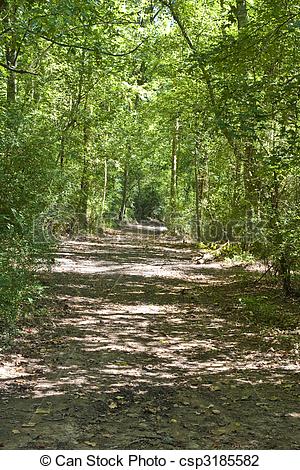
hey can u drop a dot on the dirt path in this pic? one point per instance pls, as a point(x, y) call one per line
point(145, 352)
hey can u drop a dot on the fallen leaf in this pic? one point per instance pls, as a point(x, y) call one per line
point(113, 405)
point(232, 427)
point(173, 420)
point(261, 404)
point(90, 444)
point(221, 431)
point(245, 397)
point(151, 409)
point(16, 431)
point(28, 425)
point(42, 411)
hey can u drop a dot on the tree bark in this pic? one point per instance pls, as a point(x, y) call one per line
point(61, 155)
point(241, 13)
point(225, 129)
point(84, 192)
point(11, 50)
point(283, 259)
point(71, 120)
point(85, 176)
point(105, 179)
point(174, 163)
point(124, 191)
point(11, 59)
point(199, 189)
point(199, 175)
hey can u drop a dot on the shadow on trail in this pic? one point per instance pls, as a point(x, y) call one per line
point(144, 353)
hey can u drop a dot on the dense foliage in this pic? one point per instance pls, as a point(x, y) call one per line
point(172, 109)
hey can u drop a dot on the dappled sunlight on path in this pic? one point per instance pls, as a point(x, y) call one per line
point(144, 336)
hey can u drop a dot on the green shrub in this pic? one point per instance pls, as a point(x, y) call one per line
point(19, 287)
point(261, 310)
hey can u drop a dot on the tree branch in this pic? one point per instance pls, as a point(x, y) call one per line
point(13, 69)
point(90, 49)
point(226, 131)
point(179, 23)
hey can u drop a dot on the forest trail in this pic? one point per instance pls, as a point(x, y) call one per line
point(145, 352)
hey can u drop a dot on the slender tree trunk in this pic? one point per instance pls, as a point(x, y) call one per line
point(248, 160)
point(105, 179)
point(283, 261)
point(237, 185)
point(174, 163)
point(62, 151)
point(241, 13)
point(199, 190)
point(199, 174)
point(11, 49)
point(84, 193)
point(85, 176)
point(251, 182)
point(285, 273)
point(11, 87)
point(124, 191)
point(75, 103)
point(225, 129)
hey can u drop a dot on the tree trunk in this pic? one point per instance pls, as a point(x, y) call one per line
point(61, 155)
point(124, 191)
point(75, 103)
point(83, 198)
point(174, 163)
point(251, 181)
point(283, 261)
point(199, 189)
point(241, 13)
point(11, 49)
point(85, 179)
point(105, 179)
point(11, 84)
point(285, 273)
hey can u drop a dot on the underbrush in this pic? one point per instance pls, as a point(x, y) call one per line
point(235, 254)
point(19, 285)
point(261, 310)
point(231, 253)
